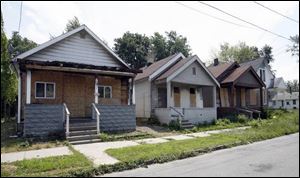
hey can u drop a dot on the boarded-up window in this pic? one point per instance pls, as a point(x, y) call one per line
point(176, 97)
point(192, 97)
point(208, 100)
point(162, 97)
point(253, 97)
point(224, 97)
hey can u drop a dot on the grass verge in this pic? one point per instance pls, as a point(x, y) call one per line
point(124, 136)
point(51, 166)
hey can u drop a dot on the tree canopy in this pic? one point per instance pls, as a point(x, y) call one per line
point(294, 49)
point(135, 48)
point(242, 52)
point(72, 24)
point(292, 86)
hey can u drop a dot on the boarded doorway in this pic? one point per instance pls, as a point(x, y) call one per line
point(74, 94)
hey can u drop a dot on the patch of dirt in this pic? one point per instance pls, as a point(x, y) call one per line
point(155, 130)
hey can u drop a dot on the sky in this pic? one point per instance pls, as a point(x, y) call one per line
point(110, 20)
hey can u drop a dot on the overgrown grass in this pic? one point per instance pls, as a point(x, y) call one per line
point(281, 124)
point(51, 166)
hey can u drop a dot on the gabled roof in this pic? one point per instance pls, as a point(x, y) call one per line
point(219, 69)
point(174, 68)
point(65, 35)
point(236, 74)
point(254, 63)
point(150, 70)
point(277, 82)
point(181, 65)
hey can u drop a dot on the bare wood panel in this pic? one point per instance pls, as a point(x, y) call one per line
point(192, 97)
point(74, 94)
point(224, 97)
point(253, 97)
point(176, 96)
point(243, 97)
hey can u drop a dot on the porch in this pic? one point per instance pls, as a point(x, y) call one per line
point(190, 103)
point(76, 105)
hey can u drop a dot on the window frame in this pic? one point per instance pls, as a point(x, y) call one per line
point(294, 102)
point(194, 71)
point(45, 90)
point(262, 72)
point(104, 86)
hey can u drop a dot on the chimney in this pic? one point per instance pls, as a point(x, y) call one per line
point(216, 62)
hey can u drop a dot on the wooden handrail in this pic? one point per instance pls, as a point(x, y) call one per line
point(98, 115)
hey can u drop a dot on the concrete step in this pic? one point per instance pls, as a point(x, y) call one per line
point(84, 132)
point(85, 141)
point(82, 137)
point(82, 128)
point(83, 124)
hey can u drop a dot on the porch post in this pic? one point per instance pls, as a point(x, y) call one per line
point(28, 87)
point(169, 92)
point(96, 90)
point(232, 96)
point(261, 97)
point(19, 97)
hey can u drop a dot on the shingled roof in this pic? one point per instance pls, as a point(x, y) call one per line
point(154, 67)
point(219, 69)
point(236, 74)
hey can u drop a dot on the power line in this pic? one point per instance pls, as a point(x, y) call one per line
point(21, 8)
point(276, 12)
point(244, 20)
point(239, 25)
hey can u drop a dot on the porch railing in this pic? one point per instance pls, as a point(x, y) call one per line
point(181, 116)
point(66, 110)
point(95, 109)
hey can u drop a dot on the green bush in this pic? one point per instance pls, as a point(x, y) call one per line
point(241, 118)
point(223, 122)
point(104, 137)
point(175, 124)
point(24, 144)
point(153, 121)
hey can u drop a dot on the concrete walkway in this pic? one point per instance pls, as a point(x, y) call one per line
point(96, 151)
point(43, 153)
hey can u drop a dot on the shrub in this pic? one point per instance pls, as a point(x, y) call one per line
point(153, 121)
point(24, 144)
point(104, 137)
point(175, 124)
point(223, 122)
point(241, 118)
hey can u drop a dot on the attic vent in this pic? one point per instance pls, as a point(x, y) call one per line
point(82, 34)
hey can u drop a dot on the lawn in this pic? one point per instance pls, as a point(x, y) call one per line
point(51, 166)
point(9, 144)
point(279, 123)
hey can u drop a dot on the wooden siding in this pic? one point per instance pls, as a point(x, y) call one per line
point(76, 90)
point(78, 48)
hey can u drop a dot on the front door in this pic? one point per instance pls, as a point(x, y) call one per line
point(74, 95)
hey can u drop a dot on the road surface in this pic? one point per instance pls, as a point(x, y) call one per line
point(275, 157)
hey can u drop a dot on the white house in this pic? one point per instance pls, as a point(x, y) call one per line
point(286, 100)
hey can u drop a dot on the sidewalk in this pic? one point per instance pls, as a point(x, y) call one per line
point(96, 151)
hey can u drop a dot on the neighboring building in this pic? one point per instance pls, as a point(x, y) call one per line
point(73, 71)
point(238, 89)
point(176, 87)
point(273, 85)
point(286, 100)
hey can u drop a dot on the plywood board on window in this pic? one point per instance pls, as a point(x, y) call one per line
point(176, 96)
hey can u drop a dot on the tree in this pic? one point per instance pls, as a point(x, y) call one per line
point(72, 24)
point(8, 78)
point(240, 52)
point(292, 86)
point(19, 45)
point(133, 49)
point(294, 49)
point(266, 53)
point(165, 46)
point(159, 46)
point(177, 43)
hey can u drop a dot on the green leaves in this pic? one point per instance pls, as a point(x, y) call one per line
point(72, 24)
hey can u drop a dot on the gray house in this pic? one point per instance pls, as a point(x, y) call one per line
point(76, 86)
point(176, 87)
